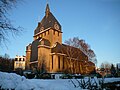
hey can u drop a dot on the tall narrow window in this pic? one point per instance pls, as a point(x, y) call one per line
point(59, 62)
point(48, 32)
point(52, 62)
point(19, 59)
point(58, 33)
point(45, 34)
point(63, 62)
point(54, 32)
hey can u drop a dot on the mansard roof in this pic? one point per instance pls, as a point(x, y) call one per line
point(48, 21)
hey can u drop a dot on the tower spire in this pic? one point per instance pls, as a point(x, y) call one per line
point(47, 10)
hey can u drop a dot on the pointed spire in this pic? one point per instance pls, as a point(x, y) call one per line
point(47, 10)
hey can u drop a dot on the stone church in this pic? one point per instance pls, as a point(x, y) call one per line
point(47, 51)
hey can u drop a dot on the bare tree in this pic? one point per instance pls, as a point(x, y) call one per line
point(6, 27)
point(83, 46)
point(73, 55)
point(92, 56)
point(102, 67)
point(105, 67)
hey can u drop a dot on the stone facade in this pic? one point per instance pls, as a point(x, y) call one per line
point(48, 53)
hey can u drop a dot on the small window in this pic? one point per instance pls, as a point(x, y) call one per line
point(19, 59)
point(15, 59)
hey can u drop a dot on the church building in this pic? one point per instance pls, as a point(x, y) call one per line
point(47, 52)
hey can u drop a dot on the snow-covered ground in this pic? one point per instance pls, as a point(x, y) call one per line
point(14, 81)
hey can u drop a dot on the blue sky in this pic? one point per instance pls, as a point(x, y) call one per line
point(95, 21)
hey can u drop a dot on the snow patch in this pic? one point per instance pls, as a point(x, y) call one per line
point(17, 82)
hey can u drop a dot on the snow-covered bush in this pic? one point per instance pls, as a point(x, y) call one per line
point(10, 80)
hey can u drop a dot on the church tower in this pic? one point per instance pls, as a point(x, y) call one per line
point(46, 35)
point(49, 28)
point(47, 53)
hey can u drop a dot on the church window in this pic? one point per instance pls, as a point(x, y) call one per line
point(52, 62)
point(59, 62)
point(54, 32)
point(58, 33)
point(45, 33)
point(73, 67)
point(63, 62)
